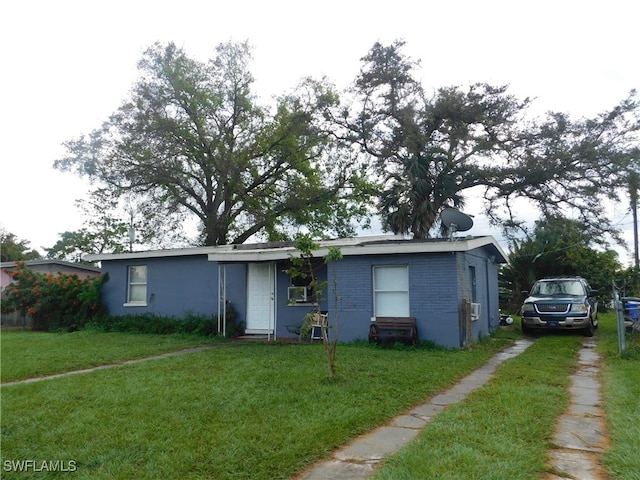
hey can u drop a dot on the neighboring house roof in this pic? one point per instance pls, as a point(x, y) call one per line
point(374, 245)
point(52, 263)
point(47, 266)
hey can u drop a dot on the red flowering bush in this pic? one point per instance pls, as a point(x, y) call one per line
point(54, 302)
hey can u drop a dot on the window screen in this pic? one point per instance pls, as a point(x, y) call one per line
point(137, 284)
point(391, 290)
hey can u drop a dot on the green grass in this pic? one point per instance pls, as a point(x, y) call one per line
point(32, 354)
point(500, 431)
point(249, 411)
point(621, 391)
point(269, 411)
point(504, 429)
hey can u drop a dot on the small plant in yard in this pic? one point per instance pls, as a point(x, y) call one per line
point(303, 266)
point(54, 302)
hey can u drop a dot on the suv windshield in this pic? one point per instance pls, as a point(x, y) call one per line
point(558, 287)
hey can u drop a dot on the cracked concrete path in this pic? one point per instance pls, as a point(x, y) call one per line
point(359, 459)
point(580, 435)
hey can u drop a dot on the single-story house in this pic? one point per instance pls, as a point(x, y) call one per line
point(384, 276)
point(44, 266)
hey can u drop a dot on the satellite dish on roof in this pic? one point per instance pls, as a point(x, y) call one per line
point(455, 220)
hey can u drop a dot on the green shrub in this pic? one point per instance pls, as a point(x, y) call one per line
point(54, 302)
point(204, 325)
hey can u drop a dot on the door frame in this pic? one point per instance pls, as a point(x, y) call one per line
point(268, 270)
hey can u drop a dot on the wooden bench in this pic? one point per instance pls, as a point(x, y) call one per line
point(388, 330)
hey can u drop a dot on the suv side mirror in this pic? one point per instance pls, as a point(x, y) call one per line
point(593, 293)
point(525, 292)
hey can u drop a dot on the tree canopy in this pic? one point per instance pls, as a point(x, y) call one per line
point(193, 141)
point(427, 149)
point(430, 151)
point(558, 246)
point(14, 249)
point(572, 167)
point(103, 231)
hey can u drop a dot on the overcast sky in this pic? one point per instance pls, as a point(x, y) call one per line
point(69, 64)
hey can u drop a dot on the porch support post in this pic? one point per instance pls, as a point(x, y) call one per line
point(222, 299)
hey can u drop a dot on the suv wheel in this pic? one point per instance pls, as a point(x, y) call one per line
point(590, 330)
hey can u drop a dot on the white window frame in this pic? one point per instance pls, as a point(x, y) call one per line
point(130, 283)
point(295, 289)
point(380, 291)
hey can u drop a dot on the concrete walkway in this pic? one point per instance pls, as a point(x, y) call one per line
point(113, 365)
point(580, 433)
point(359, 459)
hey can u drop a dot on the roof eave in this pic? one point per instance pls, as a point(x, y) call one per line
point(348, 247)
point(174, 252)
point(393, 248)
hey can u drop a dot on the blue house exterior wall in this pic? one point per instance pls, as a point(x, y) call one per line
point(176, 286)
point(180, 285)
point(433, 295)
point(486, 288)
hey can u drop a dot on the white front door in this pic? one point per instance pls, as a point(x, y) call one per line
point(260, 298)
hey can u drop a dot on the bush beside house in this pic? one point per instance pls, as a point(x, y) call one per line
point(190, 324)
point(60, 301)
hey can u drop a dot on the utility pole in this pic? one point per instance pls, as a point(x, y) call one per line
point(634, 185)
point(132, 231)
point(635, 232)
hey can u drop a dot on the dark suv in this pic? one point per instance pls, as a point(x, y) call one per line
point(560, 303)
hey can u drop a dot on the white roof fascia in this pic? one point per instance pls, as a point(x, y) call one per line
point(351, 249)
point(388, 245)
point(174, 252)
point(180, 252)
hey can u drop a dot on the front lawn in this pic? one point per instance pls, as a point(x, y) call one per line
point(249, 411)
point(26, 354)
point(502, 430)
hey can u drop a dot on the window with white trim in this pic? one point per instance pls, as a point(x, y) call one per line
point(391, 290)
point(301, 291)
point(137, 285)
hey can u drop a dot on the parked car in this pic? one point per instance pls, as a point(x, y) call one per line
point(560, 303)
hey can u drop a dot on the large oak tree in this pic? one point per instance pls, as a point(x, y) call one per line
point(429, 151)
point(194, 142)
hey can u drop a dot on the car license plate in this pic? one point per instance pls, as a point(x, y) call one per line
point(552, 324)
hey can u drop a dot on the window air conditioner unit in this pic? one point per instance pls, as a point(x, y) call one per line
point(298, 294)
point(475, 311)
